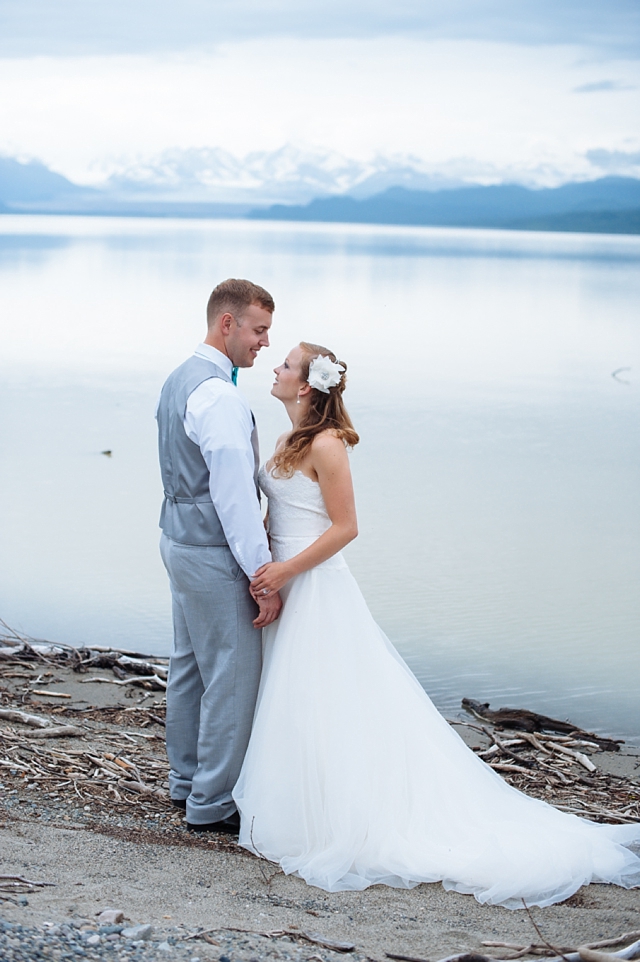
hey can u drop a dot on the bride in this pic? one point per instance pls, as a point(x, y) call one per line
point(352, 778)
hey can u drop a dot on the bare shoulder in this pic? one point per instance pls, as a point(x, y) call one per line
point(330, 461)
point(328, 442)
point(328, 452)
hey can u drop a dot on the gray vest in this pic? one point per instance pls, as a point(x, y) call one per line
point(188, 515)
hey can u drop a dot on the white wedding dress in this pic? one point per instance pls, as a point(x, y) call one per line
point(352, 778)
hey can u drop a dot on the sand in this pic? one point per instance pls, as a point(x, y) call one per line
point(141, 859)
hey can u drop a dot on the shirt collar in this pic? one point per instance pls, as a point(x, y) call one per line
point(213, 354)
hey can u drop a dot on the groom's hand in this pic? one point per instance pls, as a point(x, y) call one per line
point(270, 606)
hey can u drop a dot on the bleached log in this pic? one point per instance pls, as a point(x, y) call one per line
point(141, 681)
point(140, 667)
point(50, 694)
point(579, 757)
point(35, 721)
point(591, 955)
point(63, 731)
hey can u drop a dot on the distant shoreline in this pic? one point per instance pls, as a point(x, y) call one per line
point(604, 223)
point(608, 205)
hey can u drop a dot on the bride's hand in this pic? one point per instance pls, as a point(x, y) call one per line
point(270, 578)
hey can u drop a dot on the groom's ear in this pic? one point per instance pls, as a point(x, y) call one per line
point(225, 322)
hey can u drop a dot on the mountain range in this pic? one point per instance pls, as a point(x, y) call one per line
point(213, 182)
point(320, 187)
point(33, 183)
point(290, 175)
point(607, 205)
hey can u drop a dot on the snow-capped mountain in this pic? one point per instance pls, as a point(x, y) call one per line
point(291, 174)
point(212, 182)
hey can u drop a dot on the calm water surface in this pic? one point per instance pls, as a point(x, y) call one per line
point(497, 478)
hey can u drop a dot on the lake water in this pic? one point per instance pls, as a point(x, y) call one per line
point(496, 481)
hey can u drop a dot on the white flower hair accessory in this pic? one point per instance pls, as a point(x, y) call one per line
point(324, 374)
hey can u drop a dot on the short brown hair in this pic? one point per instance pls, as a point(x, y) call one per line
point(235, 296)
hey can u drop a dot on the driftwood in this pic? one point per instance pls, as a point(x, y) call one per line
point(592, 955)
point(543, 947)
point(17, 648)
point(128, 667)
point(119, 662)
point(116, 777)
point(59, 731)
point(51, 694)
point(152, 683)
point(119, 651)
point(18, 885)
point(8, 881)
point(315, 938)
point(121, 765)
point(35, 721)
point(582, 954)
point(531, 721)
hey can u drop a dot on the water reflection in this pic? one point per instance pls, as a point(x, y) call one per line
point(496, 479)
point(29, 248)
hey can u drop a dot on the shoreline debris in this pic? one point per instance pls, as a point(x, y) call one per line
point(530, 721)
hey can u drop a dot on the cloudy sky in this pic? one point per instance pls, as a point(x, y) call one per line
point(538, 90)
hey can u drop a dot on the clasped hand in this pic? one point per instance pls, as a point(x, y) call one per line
point(269, 579)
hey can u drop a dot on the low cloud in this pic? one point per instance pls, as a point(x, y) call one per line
point(624, 163)
point(296, 173)
point(602, 86)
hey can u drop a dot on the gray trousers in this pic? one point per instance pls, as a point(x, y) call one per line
point(214, 673)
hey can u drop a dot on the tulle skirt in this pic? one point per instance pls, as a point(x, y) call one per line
point(352, 778)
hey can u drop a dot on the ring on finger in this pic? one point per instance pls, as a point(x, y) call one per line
point(265, 591)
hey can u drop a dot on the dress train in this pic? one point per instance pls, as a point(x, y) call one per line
point(353, 778)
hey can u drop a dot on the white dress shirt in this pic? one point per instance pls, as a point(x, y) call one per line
point(219, 420)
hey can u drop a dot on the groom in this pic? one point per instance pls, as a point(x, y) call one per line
point(213, 540)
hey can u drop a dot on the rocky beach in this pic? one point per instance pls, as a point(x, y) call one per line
point(97, 864)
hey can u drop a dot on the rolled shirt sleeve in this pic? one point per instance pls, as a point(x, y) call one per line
point(219, 421)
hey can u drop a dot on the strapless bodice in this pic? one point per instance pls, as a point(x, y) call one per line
point(296, 505)
point(297, 515)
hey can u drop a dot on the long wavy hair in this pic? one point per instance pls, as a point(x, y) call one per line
point(326, 412)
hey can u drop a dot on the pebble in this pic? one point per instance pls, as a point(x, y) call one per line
point(137, 933)
point(76, 939)
point(110, 917)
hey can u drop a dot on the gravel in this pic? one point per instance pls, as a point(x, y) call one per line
point(81, 939)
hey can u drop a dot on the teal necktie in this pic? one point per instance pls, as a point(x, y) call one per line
point(234, 375)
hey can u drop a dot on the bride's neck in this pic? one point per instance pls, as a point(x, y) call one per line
point(296, 413)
